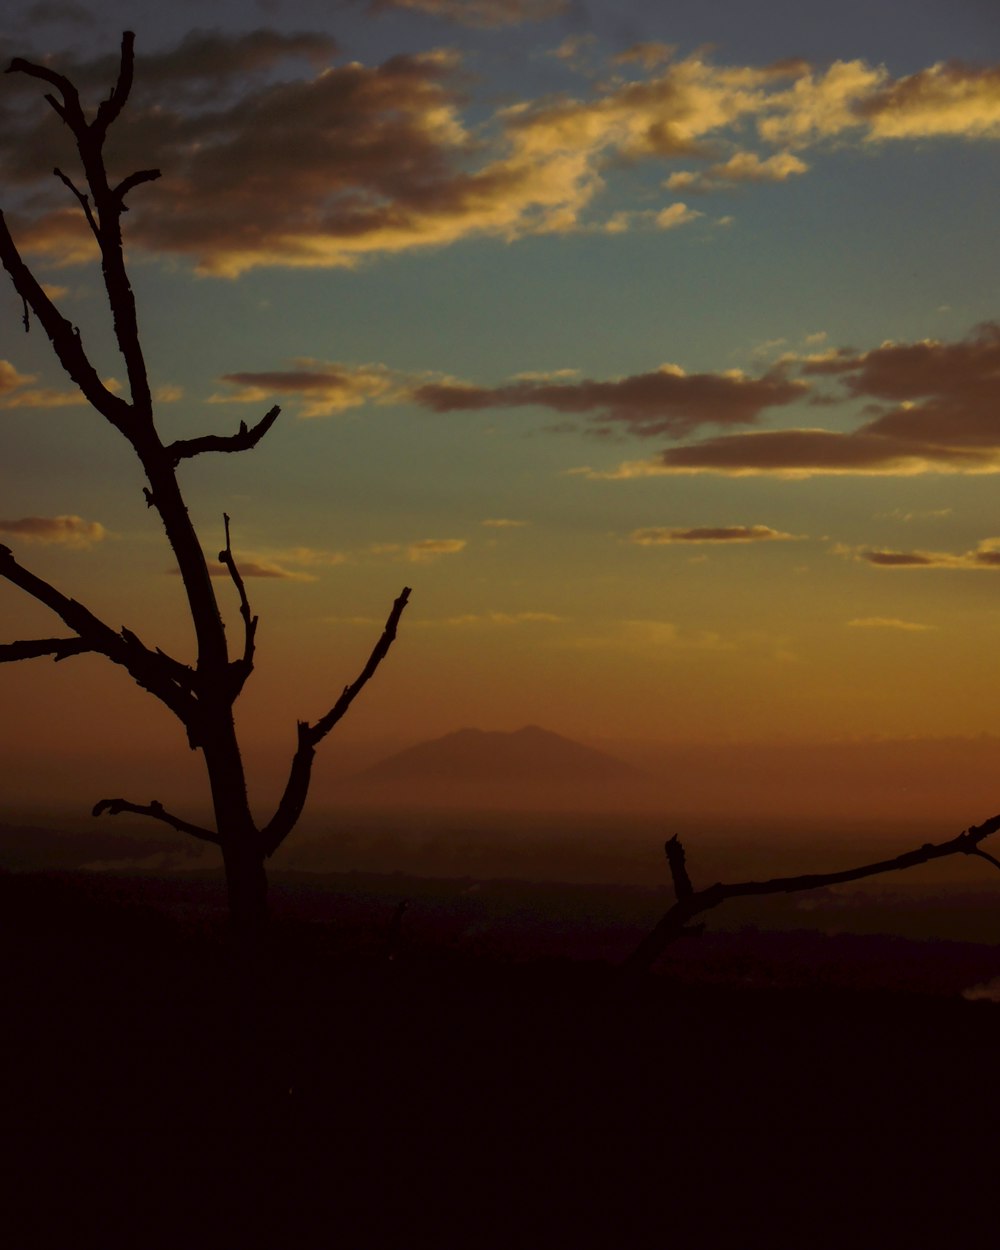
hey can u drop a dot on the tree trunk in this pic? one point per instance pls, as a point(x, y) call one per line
point(246, 887)
point(242, 849)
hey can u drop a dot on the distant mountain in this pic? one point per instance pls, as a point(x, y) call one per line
point(527, 764)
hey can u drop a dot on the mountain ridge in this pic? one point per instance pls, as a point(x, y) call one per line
point(530, 755)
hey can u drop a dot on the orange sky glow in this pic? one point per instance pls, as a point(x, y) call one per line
point(659, 356)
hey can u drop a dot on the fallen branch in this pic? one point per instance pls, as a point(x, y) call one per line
point(691, 902)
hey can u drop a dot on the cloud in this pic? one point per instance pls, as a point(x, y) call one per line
point(503, 619)
point(803, 453)
point(946, 99)
point(11, 378)
point(649, 55)
point(259, 568)
point(818, 106)
point(65, 531)
point(322, 388)
point(741, 167)
point(16, 391)
point(935, 403)
point(986, 555)
point(658, 536)
point(310, 557)
point(888, 622)
point(482, 13)
point(55, 11)
point(423, 550)
point(900, 514)
point(665, 401)
point(380, 159)
point(502, 523)
point(676, 215)
point(651, 636)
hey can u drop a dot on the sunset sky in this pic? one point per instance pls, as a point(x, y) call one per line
point(654, 345)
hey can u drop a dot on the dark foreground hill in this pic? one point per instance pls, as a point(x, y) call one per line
point(154, 1094)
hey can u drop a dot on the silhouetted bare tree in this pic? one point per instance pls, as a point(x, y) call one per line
point(200, 696)
point(689, 902)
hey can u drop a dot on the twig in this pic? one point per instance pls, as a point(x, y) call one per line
point(245, 666)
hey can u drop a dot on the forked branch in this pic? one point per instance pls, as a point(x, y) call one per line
point(691, 903)
point(154, 671)
point(115, 807)
point(309, 737)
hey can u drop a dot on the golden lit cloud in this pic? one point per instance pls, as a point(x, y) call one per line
point(16, 391)
point(812, 453)
point(502, 618)
point(676, 215)
point(657, 536)
point(11, 378)
point(65, 531)
point(651, 636)
point(259, 568)
point(986, 555)
point(888, 622)
point(322, 389)
point(665, 401)
point(392, 163)
point(946, 100)
point(502, 523)
point(817, 106)
point(935, 404)
point(422, 551)
point(742, 167)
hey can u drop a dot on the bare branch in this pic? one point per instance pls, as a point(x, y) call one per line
point(104, 220)
point(678, 869)
point(990, 859)
point(674, 923)
point(351, 692)
point(70, 110)
point(64, 336)
point(58, 648)
point(244, 440)
point(151, 670)
point(109, 109)
point(84, 201)
point(156, 810)
point(244, 667)
point(130, 183)
point(309, 736)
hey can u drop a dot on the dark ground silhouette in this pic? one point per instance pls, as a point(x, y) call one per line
point(454, 1097)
